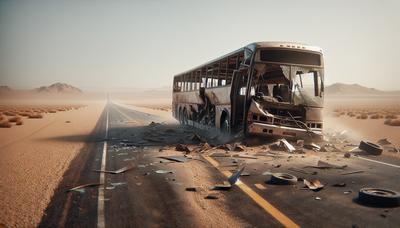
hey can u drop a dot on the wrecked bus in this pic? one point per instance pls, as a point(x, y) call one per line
point(264, 88)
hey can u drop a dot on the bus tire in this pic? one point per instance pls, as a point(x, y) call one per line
point(370, 148)
point(379, 197)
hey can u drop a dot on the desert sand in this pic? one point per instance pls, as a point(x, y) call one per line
point(34, 157)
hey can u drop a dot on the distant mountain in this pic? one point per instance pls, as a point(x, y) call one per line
point(355, 89)
point(58, 88)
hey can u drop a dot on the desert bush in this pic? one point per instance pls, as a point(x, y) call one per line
point(362, 116)
point(392, 122)
point(9, 113)
point(376, 116)
point(391, 116)
point(14, 119)
point(5, 124)
point(36, 116)
point(19, 122)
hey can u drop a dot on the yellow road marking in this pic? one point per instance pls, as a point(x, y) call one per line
point(269, 208)
point(260, 186)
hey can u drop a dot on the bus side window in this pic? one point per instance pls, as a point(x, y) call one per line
point(223, 82)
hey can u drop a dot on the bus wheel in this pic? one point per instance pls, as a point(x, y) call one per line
point(225, 126)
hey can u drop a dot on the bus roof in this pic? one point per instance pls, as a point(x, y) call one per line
point(265, 44)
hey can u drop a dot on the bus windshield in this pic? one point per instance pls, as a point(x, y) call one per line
point(308, 88)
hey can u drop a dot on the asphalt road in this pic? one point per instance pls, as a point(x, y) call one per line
point(141, 197)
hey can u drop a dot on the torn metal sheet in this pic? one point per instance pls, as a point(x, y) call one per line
point(289, 147)
point(314, 185)
point(235, 177)
point(118, 171)
point(312, 146)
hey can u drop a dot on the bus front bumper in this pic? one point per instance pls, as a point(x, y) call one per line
point(274, 130)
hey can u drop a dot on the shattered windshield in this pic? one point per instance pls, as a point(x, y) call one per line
point(307, 87)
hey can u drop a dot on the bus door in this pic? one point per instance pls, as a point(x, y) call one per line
point(238, 94)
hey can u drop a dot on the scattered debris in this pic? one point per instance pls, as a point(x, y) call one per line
point(183, 148)
point(225, 186)
point(300, 143)
point(235, 177)
point(238, 147)
point(384, 142)
point(341, 184)
point(118, 183)
point(282, 179)
point(379, 197)
point(191, 189)
point(118, 171)
point(67, 121)
point(122, 154)
point(260, 186)
point(267, 173)
point(371, 148)
point(314, 185)
point(211, 196)
point(347, 155)
point(347, 192)
point(289, 147)
point(312, 146)
point(161, 171)
point(244, 156)
point(129, 159)
point(80, 187)
point(175, 158)
point(353, 172)
point(317, 198)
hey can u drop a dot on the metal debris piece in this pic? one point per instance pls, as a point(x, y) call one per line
point(318, 198)
point(347, 155)
point(211, 196)
point(235, 177)
point(347, 192)
point(175, 158)
point(238, 147)
point(353, 172)
point(225, 186)
point(267, 173)
point(118, 171)
point(260, 186)
point(341, 184)
point(289, 147)
point(183, 148)
point(161, 171)
point(314, 185)
point(384, 142)
point(191, 189)
point(312, 146)
point(300, 143)
point(77, 188)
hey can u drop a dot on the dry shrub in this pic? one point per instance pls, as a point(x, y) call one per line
point(9, 113)
point(391, 116)
point(5, 124)
point(52, 111)
point(362, 116)
point(19, 122)
point(376, 116)
point(14, 119)
point(36, 116)
point(392, 122)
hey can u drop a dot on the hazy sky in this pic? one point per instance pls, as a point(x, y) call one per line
point(115, 44)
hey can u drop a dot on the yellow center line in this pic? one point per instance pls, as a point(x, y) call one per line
point(268, 207)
